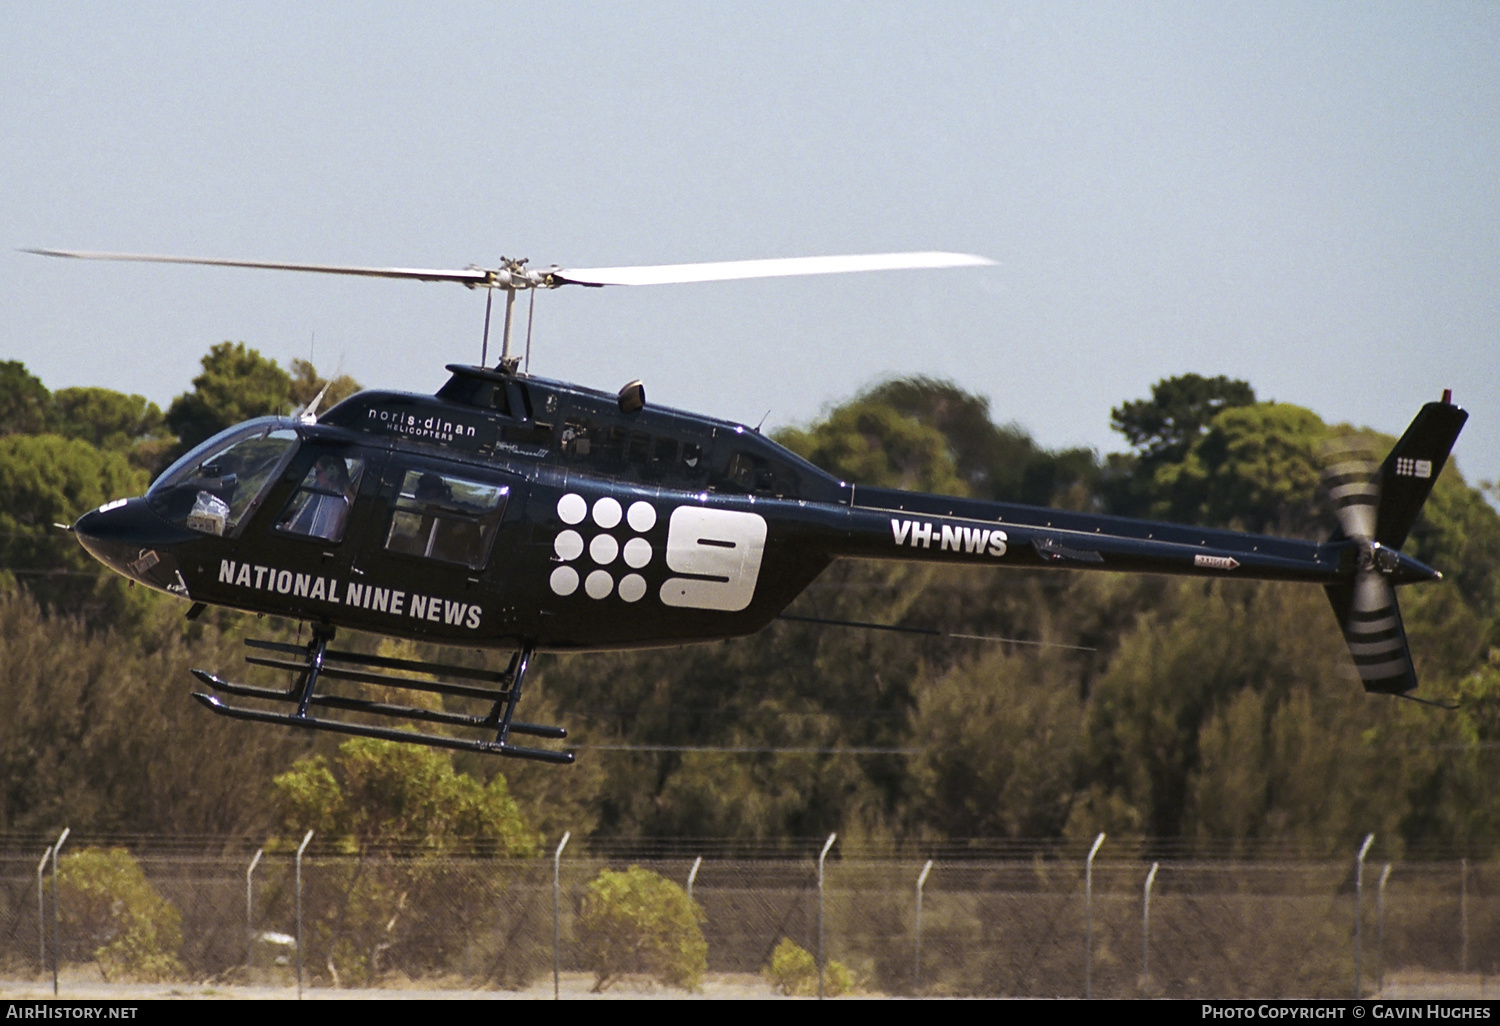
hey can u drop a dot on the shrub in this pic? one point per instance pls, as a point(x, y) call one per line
point(793, 971)
point(640, 922)
point(112, 912)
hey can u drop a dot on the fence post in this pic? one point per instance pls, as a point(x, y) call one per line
point(1088, 919)
point(821, 856)
point(1146, 927)
point(250, 912)
point(556, 909)
point(1380, 923)
point(300, 849)
point(916, 966)
point(693, 875)
point(1359, 909)
point(1463, 916)
point(56, 946)
point(41, 911)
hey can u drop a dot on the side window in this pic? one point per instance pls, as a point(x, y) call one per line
point(320, 507)
point(576, 441)
point(446, 518)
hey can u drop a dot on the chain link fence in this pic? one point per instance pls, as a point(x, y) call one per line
point(1023, 926)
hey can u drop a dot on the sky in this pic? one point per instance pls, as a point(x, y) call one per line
point(1304, 195)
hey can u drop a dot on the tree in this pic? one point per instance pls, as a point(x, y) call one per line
point(237, 384)
point(47, 480)
point(641, 922)
point(111, 911)
point(394, 808)
point(24, 400)
point(1002, 737)
point(870, 443)
point(794, 972)
point(128, 424)
point(1256, 467)
point(1179, 411)
point(380, 794)
point(995, 461)
point(306, 384)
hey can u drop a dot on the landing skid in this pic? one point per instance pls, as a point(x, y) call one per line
point(314, 662)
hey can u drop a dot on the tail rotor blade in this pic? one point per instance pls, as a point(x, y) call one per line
point(1372, 627)
point(1353, 487)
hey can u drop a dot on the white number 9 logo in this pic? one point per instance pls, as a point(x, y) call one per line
point(722, 550)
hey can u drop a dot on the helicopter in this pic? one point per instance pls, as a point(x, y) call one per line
point(514, 512)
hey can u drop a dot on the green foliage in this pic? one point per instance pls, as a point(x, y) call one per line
point(1179, 667)
point(995, 461)
point(99, 732)
point(931, 436)
point(1208, 712)
point(109, 908)
point(1255, 467)
point(47, 480)
point(1002, 739)
point(794, 972)
point(112, 421)
point(1164, 427)
point(24, 400)
point(872, 444)
point(306, 384)
point(237, 384)
point(393, 808)
point(639, 922)
point(379, 793)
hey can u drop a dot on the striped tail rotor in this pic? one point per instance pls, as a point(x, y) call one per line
point(1376, 507)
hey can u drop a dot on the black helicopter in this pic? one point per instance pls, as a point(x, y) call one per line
point(515, 512)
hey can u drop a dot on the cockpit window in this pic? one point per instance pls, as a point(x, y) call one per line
point(215, 487)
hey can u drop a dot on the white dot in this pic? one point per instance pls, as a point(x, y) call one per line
point(564, 580)
point(572, 508)
point(637, 552)
point(569, 545)
point(632, 587)
point(607, 512)
point(642, 516)
point(599, 584)
point(604, 549)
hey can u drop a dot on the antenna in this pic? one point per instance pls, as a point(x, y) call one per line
point(530, 319)
point(484, 349)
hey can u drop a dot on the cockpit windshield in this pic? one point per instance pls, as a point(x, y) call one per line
point(217, 485)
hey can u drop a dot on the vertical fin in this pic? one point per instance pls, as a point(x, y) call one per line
point(1408, 473)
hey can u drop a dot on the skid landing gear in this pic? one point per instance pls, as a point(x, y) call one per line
point(315, 662)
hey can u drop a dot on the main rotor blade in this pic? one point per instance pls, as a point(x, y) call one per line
point(469, 276)
point(658, 274)
point(733, 270)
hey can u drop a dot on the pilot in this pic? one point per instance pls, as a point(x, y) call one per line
point(327, 505)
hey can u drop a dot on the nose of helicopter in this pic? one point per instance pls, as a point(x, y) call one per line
point(105, 534)
point(123, 535)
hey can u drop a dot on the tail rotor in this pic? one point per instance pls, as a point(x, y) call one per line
point(1376, 506)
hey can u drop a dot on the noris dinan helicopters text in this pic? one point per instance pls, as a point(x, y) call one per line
point(514, 512)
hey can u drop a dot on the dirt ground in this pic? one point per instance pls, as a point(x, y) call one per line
point(85, 985)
